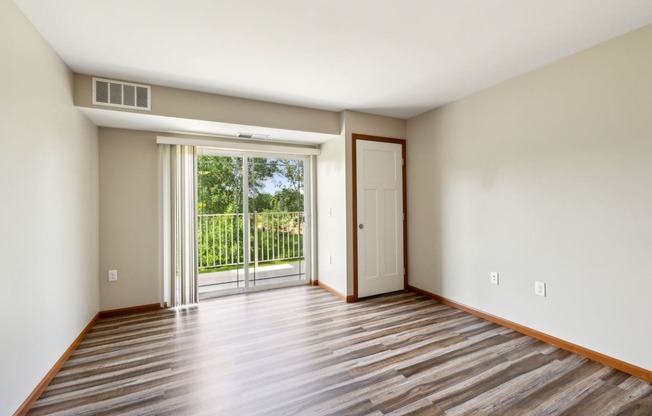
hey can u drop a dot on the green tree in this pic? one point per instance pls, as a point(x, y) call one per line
point(219, 189)
point(288, 199)
point(261, 171)
point(219, 184)
point(261, 203)
point(289, 182)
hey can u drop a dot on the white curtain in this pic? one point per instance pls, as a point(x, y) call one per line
point(178, 166)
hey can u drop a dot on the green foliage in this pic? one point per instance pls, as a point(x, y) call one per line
point(277, 235)
point(275, 204)
point(288, 200)
point(220, 184)
point(219, 239)
point(261, 203)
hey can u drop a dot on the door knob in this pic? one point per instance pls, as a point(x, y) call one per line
point(361, 226)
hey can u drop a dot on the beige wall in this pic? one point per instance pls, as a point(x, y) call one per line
point(545, 177)
point(129, 218)
point(372, 125)
point(172, 102)
point(48, 211)
point(331, 215)
point(129, 210)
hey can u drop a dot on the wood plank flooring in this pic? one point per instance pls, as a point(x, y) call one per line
point(301, 351)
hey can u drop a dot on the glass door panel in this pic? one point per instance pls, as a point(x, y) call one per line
point(276, 220)
point(268, 231)
point(220, 225)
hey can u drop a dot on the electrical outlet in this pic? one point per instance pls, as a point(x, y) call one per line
point(113, 275)
point(494, 278)
point(540, 289)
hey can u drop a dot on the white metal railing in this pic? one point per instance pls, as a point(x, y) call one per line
point(275, 236)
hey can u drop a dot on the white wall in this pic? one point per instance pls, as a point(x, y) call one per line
point(48, 211)
point(331, 229)
point(129, 218)
point(545, 177)
point(335, 193)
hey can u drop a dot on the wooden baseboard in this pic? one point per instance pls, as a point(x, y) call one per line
point(335, 293)
point(133, 309)
point(40, 388)
point(568, 346)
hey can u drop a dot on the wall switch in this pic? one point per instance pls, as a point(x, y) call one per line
point(494, 278)
point(113, 275)
point(540, 289)
point(330, 212)
point(330, 259)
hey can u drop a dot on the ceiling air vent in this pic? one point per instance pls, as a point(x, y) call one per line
point(121, 94)
point(253, 136)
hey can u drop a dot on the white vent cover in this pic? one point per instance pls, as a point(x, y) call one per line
point(121, 94)
point(253, 136)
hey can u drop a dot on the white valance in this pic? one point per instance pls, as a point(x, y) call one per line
point(234, 145)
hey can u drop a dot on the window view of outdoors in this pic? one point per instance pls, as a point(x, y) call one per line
point(276, 222)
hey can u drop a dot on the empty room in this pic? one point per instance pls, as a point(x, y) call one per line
point(311, 207)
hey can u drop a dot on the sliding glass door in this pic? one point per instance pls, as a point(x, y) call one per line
point(220, 223)
point(277, 220)
point(253, 242)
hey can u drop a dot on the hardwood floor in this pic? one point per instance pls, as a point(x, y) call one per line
point(302, 351)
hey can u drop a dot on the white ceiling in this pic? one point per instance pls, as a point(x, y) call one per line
point(390, 57)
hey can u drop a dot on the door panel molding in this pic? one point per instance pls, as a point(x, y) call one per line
point(354, 155)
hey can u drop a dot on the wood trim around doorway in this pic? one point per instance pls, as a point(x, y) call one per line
point(354, 138)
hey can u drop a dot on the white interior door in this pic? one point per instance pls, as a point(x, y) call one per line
point(380, 217)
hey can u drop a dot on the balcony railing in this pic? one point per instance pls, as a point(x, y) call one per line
point(274, 236)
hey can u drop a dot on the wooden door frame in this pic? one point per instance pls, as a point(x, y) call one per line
point(354, 156)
